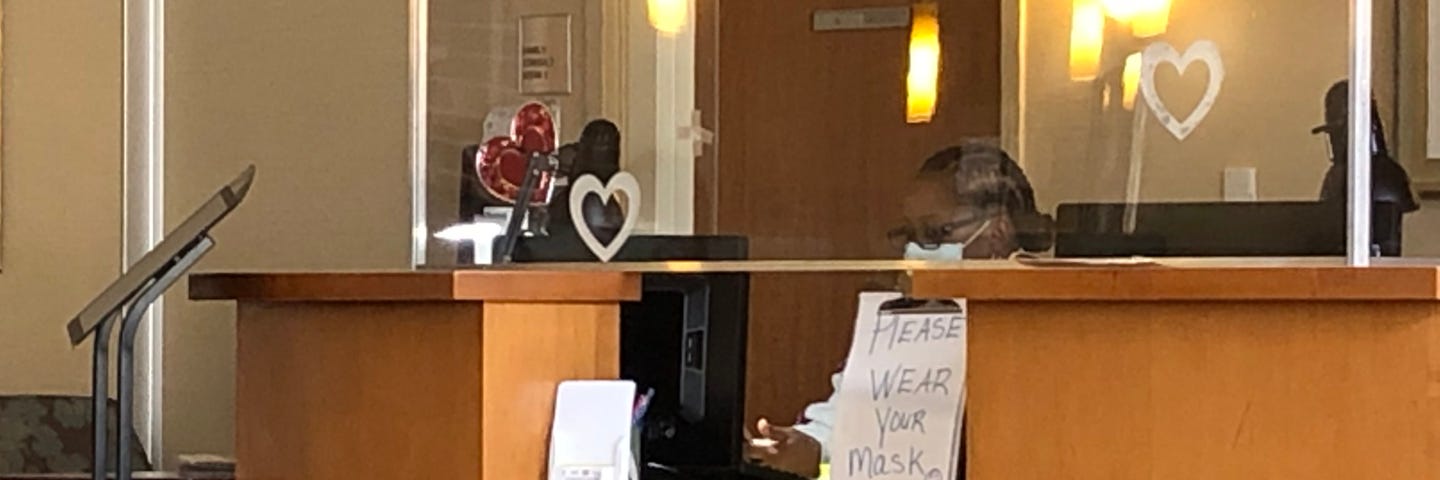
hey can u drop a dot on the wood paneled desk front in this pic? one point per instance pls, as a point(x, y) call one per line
point(1192, 370)
point(1203, 371)
point(433, 375)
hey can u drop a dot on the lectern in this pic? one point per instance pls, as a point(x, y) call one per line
point(435, 375)
point(126, 300)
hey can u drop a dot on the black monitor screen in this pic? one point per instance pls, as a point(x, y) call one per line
point(685, 339)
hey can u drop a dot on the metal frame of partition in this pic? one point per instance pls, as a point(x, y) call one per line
point(419, 130)
point(1358, 221)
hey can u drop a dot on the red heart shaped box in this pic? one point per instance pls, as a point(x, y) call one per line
point(502, 161)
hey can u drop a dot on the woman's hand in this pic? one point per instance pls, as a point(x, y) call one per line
point(783, 448)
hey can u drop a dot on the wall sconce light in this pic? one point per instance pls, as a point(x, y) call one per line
point(1123, 10)
point(669, 16)
point(1152, 21)
point(1087, 39)
point(922, 81)
point(1147, 18)
point(1131, 80)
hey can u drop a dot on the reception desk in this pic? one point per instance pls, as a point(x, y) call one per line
point(433, 375)
point(1201, 372)
point(1192, 369)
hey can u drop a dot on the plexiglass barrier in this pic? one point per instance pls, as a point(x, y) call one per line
point(935, 130)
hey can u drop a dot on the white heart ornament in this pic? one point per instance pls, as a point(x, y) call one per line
point(588, 185)
point(1203, 51)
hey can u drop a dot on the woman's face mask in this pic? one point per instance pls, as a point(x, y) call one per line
point(942, 252)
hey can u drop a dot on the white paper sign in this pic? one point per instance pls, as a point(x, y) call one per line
point(899, 409)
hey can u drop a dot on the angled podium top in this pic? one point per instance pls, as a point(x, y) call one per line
point(402, 286)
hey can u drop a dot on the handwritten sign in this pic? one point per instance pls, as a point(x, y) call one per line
point(545, 54)
point(899, 409)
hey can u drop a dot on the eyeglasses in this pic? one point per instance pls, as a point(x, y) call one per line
point(931, 236)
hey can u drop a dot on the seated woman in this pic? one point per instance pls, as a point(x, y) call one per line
point(972, 200)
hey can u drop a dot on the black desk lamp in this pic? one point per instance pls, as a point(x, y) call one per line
point(1389, 182)
point(596, 153)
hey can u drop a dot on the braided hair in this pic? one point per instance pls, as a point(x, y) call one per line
point(988, 178)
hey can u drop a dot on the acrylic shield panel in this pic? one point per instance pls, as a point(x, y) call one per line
point(840, 130)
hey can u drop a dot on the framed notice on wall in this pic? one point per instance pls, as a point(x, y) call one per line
point(1432, 133)
point(545, 54)
point(1416, 108)
point(1432, 137)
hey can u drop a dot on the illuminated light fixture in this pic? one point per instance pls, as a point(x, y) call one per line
point(1131, 79)
point(1087, 39)
point(1152, 21)
point(669, 16)
point(1126, 11)
point(922, 81)
point(1147, 18)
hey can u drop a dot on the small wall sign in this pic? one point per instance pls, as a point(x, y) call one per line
point(545, 54)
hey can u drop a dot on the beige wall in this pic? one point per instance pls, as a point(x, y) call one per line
point(61, 195)
point(315, 93)
point(1422, 230)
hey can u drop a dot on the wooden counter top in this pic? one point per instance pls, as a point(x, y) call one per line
point(476, 285)
point(824, 266)
point(1228, 283)
point(1258, 279)
point(1169, 279)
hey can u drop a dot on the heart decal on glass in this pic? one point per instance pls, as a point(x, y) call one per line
point(620, 183)
point(1158, 53)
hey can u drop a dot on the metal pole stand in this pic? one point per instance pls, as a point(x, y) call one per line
point(537, 167)
point(125, 371)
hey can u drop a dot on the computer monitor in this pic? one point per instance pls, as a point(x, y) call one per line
point(1226, 229)
point(685, 338)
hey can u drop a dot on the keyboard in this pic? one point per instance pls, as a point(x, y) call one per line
point(745, 471)
point(761, 472)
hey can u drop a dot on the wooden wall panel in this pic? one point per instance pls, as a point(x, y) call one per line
point(341, 390)
point(812, 156)
point(526, 350)
point(358, 390)
point(802, 338)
